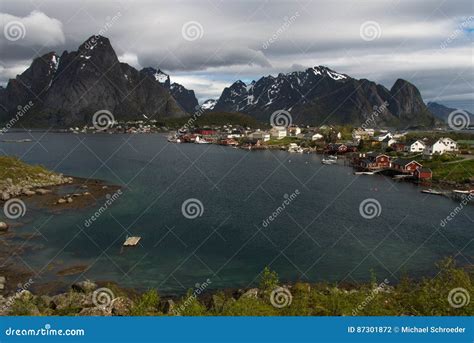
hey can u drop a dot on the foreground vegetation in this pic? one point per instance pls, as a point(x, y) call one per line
point(425, 297)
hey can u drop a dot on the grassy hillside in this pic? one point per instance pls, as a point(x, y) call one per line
point(13, 168)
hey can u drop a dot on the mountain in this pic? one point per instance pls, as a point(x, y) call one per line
point(70, 88)
point(185, 97)
point(320, 95)
point(209, 105)
point(442, 112)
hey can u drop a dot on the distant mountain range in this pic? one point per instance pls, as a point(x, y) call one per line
point(320, 95)
point(69, 89)
point(442, 112)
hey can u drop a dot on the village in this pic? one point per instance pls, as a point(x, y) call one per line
point(402, 155)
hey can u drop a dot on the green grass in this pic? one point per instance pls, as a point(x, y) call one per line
point(460, 171)
point(17, 170)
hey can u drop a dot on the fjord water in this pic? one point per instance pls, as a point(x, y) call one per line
point(319, 236)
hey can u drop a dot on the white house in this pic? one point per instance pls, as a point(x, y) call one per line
point(362, 133)
point(278, 132)
point(384, 136)
point(310, 136)
point(261, 135)
point(294, 131)
point(415, 146)
point(440, 147)
point(451, 144)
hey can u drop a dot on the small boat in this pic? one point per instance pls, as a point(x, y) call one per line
point(364, 173)
point(328, 161)
point(174, 139)
point(432, 191)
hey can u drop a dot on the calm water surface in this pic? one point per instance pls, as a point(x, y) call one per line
point(319, 236)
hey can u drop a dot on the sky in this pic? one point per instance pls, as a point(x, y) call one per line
point(207, 45)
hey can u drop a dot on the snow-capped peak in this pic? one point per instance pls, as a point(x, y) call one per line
point(160, 76)
point(209, 104)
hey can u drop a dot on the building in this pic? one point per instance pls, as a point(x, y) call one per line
point(364, 134)
point(293, 131)
point(398, 147)
point(278, 132)
point(440, 146)
point(260, 135)
point(384, 136)
point(415, 146)
point(388, 142)
point(336, 148)
point(310, 136)
point(374, 160)
point(423, 173)
point(205, 132)
point(405, 166)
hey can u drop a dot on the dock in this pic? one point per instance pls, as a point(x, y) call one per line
point(131, 241)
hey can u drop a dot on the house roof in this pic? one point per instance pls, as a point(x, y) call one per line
point(404, 161)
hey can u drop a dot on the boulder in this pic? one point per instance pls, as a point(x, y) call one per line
point(95, 311)
point(168, 306)
point(61, 201)
point(69, 200)
point(121, 306)
point(5, 196)
point(42, 191)
point(85, 286)
point(251, 293)
point(3, 226)
point(28, 192)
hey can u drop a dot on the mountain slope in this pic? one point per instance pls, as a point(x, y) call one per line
point(442, 112)
point(70, 89)
point(320, 95)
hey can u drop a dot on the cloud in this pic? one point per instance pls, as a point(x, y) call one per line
point(35, 29)
point(131, 59)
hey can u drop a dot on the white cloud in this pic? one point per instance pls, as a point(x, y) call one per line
point(131, 59)
point(35, 29)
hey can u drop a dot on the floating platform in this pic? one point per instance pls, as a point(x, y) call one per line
point(131, 241)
